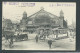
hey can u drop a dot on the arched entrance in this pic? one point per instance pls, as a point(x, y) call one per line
point(44, 31)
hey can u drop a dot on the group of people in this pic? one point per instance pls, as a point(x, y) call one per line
point(49, 40)
point(71, 35)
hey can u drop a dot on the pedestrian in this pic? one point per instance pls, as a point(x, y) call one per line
point(50, 43)
point(74, 35)
point(70, 35)
point(36, 38)
point(11, 41)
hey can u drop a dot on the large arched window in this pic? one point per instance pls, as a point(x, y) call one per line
point(42, 18)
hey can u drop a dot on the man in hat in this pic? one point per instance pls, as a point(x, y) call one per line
point(36, 38)
point(49, 43)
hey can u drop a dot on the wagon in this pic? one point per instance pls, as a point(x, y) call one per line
point(21, 36)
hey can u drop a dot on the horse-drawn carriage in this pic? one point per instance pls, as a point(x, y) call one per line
point(8, 37)
point(21, 36)
point(12, 35)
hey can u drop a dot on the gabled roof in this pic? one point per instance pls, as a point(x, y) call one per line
point(43, 11)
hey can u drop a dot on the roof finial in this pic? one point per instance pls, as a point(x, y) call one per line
point(42, 8)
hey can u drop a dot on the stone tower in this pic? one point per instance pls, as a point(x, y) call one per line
point(23, 22)
point(61, 18)
point(24, 15)
point(61, 14)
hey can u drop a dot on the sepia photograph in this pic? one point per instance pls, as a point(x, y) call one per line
point(39, 26)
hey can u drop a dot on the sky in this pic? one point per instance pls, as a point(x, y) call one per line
point(14, 10)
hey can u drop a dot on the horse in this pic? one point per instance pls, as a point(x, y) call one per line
point(9, 39)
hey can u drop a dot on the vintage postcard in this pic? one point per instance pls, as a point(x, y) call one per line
point(39, 26)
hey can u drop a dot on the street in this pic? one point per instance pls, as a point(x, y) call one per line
point(62, 44)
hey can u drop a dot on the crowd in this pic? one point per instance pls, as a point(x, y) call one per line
point(71, 34)
point(51, 37)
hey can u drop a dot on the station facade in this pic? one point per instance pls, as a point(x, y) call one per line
point(43, 21)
